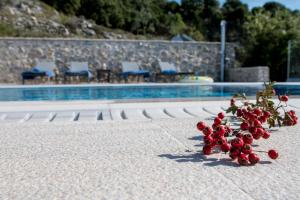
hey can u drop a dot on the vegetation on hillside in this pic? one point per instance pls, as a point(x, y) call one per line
point(262, 32)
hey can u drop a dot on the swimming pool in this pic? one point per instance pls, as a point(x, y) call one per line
point(137, 91)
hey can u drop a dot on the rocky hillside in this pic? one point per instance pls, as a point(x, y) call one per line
point(33, 18)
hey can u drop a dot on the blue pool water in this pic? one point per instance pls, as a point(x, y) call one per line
point(53, 93)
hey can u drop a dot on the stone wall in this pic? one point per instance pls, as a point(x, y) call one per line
point(17, 55)
point(249, 74)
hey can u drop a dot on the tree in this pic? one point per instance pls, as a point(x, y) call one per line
point(69, 7)
point(273, 7)
point(171, 7)
point(147, 16)
point(265, 40)
point(109, 13)
point(212, 16)
point(191, 10)
point(204, 15)
point(177, 25)
point(5, 2)
point(235, 13)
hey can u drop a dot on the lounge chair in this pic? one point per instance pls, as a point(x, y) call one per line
point(41, 69)
point(133, 69)
point(78, 69)
point(169, 70)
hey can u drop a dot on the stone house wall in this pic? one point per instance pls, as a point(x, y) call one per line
point(20, 54)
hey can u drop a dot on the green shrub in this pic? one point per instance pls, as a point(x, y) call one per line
point(5, 2)
point(7, 30)
point(69, 7)
point(265, 40)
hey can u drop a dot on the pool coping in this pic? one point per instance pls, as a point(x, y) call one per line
point(122, 101)
point(131, 101)
point(8, 86)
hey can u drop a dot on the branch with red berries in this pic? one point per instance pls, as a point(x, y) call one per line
point(254, 120)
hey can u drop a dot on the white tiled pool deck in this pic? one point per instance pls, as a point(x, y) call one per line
point(99, 111)
point(107, 150)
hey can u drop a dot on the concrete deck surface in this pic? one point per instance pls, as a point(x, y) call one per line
point(158, 159)
point(88, 111)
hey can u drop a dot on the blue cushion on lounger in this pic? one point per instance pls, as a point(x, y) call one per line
point(82, 73)
point(32, 75)
point(169, 72)
point(48, 73)
point(136, 72)
point(35, 70)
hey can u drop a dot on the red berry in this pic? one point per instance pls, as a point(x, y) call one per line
point(201, 126)
point(214, 143)
point(252, 116)
point(239, 112)
point(221, 140)
point(252, 130)
point(295, 118)
point(234, 153)
point(245, 111)
point(295, 122)
point(257, 111)
point(284, 98)
point(239, 135)
point(215, 135)
point(244, 126)
point(248, 138)
point(237, 143)
point(225, 147)
point(291, 122)
point(243, 159)
point(221, 115)
point(214, 126)
point(207, 131)
point(247, 149)
point(207, 149)
point(266, 135)
point(263, 119)
point(253, 158)
point(256, 136)
point(257, 123)
point(267, 114)
point(273, 154)
point(217, 121)
point(292, 112)
point(220, 130)
point(208, 140)
point(260, 131)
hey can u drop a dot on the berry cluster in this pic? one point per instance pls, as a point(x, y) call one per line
point(252, 118)
point(290, 118)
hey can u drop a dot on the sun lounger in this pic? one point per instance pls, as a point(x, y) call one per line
point(133, 69)
point(78, 69)
point(42, 69)
point(169, 70)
